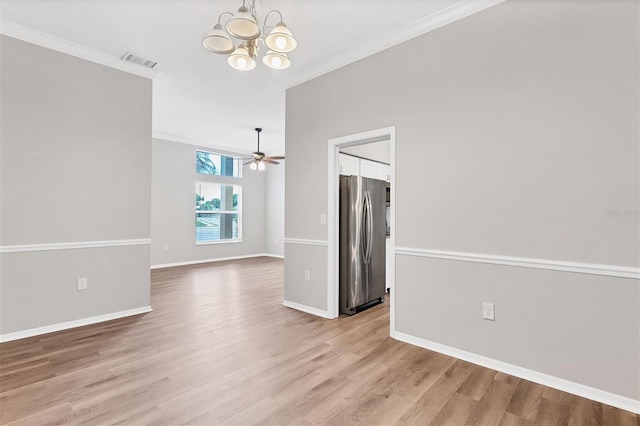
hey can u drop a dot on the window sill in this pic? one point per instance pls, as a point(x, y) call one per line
point(207, 243)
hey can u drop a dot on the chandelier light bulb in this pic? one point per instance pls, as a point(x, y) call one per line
point(275, 60)
point(261, 166)
point(241, 60)
point(281, 42)
point(280, 39)
point(253, 166)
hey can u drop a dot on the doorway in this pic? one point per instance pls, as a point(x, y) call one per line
point(333, 193)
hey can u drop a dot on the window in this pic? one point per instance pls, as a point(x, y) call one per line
point(208, 163)
point(218, 212)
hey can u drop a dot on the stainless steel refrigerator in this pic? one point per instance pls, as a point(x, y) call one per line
point(362, 243)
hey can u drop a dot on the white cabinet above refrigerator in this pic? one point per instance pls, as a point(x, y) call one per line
point(354, 166)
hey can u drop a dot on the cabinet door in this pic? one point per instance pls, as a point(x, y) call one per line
point(383, 172)
point(369, 169)
point(349, 166)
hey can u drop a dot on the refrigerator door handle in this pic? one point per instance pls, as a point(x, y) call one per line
point(363, 229)
point(369, 230)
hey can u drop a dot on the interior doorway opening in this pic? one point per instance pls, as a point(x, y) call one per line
point(350, 144)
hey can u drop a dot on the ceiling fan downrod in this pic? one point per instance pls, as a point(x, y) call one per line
point(258, 129)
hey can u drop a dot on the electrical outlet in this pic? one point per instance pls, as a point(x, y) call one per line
point(488, 312)
point(307, 275)
point(82, 283)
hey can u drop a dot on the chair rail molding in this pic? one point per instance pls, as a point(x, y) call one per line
point(523, 262)
point(305, 242)
point(74, 245)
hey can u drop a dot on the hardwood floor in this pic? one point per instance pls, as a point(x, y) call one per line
point(219, 348)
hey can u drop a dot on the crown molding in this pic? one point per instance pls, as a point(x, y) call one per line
point(54, 43)
point(438, 19)
point(203, 143)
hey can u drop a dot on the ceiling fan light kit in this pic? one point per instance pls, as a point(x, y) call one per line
point(258, 158)
point(244, 26)
point(257, 166)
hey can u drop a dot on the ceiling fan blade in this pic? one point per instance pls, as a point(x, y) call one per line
point(281, 157)
point(249, 162)
point(270, 161)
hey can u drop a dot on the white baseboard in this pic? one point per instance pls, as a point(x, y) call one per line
point(307, 309)
point(72, 324)
point(215, 259)
point(594, 394)
point(277, 256)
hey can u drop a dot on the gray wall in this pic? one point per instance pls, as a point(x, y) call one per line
point(274, 221)
point(75, 167)
point(516, 131)
point(172, 207)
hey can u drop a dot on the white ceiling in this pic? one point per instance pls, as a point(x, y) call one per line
point(198, 98)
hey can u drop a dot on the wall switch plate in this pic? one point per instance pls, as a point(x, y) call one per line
point(488, 312)
point(323, 219)
point(307, 275)
point(83, 283)
point(166, 247)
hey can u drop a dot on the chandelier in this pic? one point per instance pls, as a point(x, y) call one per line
point(244, 27)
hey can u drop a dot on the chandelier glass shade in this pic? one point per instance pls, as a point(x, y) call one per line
point(280, 39)
point(244, 26)
point(218, 41)
point(241, 60)
point(275, 60)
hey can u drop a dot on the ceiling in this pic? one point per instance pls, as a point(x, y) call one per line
point(198, 98)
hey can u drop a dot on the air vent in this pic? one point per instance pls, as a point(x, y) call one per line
point(139, 60)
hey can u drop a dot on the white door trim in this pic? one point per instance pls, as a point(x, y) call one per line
point(333, 193)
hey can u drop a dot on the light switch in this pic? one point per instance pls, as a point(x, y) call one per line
point(488, 312)
point(82, 283)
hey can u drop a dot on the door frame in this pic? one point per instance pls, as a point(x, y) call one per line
point(333, 214)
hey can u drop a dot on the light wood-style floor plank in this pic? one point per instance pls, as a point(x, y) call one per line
point(220, 348)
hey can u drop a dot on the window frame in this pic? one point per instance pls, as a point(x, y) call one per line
point(238, 166)
point(237, 189)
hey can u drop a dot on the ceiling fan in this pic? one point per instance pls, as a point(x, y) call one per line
point(258, 159)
